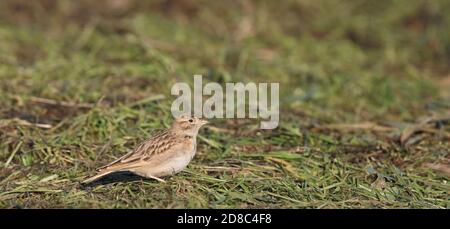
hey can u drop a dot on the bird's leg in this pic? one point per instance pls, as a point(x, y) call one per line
point(157, 178)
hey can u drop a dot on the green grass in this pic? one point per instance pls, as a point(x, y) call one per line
point(339, 63)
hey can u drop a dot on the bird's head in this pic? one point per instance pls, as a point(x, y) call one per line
point(187, 125)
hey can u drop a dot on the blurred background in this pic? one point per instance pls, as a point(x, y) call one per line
point(383, 53)
point(83, 81)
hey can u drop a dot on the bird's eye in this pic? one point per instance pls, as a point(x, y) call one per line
point(190, 120)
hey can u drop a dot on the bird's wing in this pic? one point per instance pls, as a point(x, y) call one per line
point(157, 144)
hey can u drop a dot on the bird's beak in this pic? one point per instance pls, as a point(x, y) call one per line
point(203, 121)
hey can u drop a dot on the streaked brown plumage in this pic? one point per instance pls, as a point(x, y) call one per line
point(163, 154)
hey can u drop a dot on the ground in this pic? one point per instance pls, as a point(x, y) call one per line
point(364, 98)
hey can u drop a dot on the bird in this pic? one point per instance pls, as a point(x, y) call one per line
point(163, 154)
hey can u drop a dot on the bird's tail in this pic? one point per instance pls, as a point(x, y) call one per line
point(97, 176)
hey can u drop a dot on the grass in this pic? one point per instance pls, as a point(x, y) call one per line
point(82, 83)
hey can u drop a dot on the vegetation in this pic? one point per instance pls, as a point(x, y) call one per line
point(364, 96)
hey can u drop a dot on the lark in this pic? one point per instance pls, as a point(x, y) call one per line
point(164, 154)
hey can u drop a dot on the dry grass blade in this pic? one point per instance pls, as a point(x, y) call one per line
point(38, 190)
point(219, 168)
point(428, 126)
point(355, 126)
point(61, 103)
point(147, 100)
point(219, 130)
point(408, 132)
point(286, 165)
point(13, 153)
point(445, 168)
point(21, 122)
